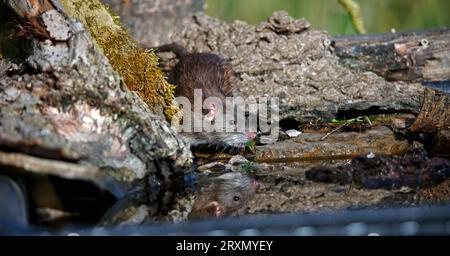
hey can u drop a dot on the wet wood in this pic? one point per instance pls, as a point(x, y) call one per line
point(342, 145)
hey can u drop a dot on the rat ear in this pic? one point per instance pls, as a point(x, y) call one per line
point(212, 112)
point(215, 210)
point(212, 108)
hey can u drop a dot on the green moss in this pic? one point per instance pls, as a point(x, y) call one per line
point(137, 66)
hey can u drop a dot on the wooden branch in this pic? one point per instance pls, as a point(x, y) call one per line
point(407, 56)
point(46, 166)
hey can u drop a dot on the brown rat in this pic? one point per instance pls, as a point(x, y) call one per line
point(223, 196)
point(214, 76)
point(205, 71)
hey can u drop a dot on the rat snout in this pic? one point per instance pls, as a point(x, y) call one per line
point(251, 135)
point(255, 185)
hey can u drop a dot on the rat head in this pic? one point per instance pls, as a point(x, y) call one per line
point(205, 77)
point(237, 191)
point(202, 71)
point(226, 195)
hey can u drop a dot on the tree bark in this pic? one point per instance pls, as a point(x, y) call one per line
point(66, 110)
point(407, 56)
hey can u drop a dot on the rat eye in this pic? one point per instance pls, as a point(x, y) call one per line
point(236, 198)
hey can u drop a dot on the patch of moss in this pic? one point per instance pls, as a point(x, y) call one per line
point(138, 67)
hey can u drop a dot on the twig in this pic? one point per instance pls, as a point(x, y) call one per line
point(333, 131)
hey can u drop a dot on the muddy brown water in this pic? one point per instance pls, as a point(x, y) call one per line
point(285, 189)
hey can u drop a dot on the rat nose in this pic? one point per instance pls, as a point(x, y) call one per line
point(255, 184)
point(251, 135)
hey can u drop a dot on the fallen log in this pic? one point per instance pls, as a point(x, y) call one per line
point(67, 109)
point(404, 56)
point(285, 58)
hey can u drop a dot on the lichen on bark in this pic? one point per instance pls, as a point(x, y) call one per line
point(66, 107)
point(137, 66)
